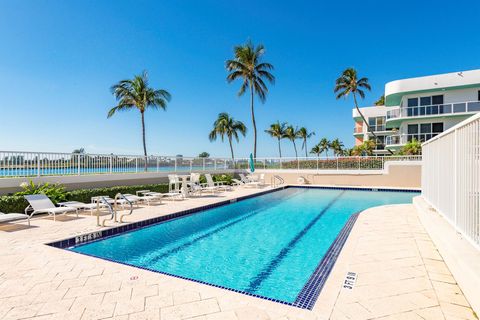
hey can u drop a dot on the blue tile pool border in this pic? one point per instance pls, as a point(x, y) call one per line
point(307, 296)
point(311, 290)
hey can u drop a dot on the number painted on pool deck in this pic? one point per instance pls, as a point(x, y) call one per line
point(350, 280)
point(87, 237)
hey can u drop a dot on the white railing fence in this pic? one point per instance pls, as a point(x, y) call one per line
point(35, 164)
point(451, 176)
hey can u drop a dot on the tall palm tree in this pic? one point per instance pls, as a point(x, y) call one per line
point(277, 130)
point(304, 134)
point(225, 125)
point(136, 94)
point(324, 146)
point(380, 101)
point(337, 147)
point(291, 134)
point(348, 83)
point(317, 150)
point(248, 66)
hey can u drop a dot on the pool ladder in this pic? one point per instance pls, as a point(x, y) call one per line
point(113, 209)
point(275, 179)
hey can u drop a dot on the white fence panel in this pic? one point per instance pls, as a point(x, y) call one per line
point(451, 176)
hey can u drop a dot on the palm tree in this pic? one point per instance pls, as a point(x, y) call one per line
point(413, 147)
point(317, 150)
point(248, 66)
point(324, 145)
point(277, 130)
point(227, 126)
point(292, 134)
point(349, 83)
point(136, 93)
point(366, 148)
point(337, 147)
point(304, 134)
point(380, 101)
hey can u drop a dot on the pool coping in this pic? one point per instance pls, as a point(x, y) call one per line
point(305, 299)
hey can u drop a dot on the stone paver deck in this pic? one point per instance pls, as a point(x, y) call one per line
point(400, 276)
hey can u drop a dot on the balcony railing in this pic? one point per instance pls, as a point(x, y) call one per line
point(357, 130)
point(401, 139)
point(378, 128)
point(432, 110)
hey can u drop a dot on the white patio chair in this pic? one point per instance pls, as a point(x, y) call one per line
point(40, 203)
point(194, 184)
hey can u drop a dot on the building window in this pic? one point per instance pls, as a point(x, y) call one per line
point(425, 101)
point(437, 99)
point(377, 123)
point(425, 106)
point(424, 131)
point(437, 127)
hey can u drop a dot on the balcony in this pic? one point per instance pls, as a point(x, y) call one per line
point(357, 130)
point(401, 139)
point(456, 108)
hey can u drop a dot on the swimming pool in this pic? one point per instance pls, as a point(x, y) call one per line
point(270, 246)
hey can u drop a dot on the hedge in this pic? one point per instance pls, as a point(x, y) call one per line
point(9, 204)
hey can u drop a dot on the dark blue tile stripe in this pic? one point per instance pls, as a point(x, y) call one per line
point(267, 271)
point(308, 295)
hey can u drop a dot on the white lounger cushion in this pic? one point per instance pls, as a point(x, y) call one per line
point(6, 217)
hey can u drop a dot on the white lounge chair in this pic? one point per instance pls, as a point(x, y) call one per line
point(40, 203)
point(146, 198)
point(11, 217)
point(220, 185)
point(237, 182)
point(249, 182)
point(82, 206)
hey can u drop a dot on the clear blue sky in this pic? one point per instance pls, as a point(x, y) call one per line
point(58, 60)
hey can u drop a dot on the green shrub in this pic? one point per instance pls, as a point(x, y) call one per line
point(10, 204)
point(17, 202)
point(226, 178)
point(85, 195)
point(55, 192)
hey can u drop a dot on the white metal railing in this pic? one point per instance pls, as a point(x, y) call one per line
point(327, 163)
point(35, 164)
point(437, 109)
point(451, 176)
point(31, 164)
point(401, 139)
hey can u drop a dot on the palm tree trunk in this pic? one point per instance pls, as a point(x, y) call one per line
point(305, 142)
point(365, 121)
point(279, 148)
point(295, 147)
point(144, 143)
point(253, 122)
point(231, 148)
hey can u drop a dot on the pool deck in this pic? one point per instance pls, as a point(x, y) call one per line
point(400, 275)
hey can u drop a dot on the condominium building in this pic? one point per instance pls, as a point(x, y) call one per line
point(420, 108)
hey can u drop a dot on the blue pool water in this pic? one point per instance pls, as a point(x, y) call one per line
point(267, 245)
